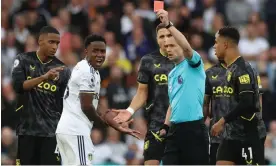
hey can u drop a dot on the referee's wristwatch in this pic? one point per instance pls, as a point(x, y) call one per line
point(169, 25)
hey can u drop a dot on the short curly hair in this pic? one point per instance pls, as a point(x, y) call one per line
point(231, 33)
point(92, 38)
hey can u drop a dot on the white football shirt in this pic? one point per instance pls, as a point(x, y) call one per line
point(84, 79)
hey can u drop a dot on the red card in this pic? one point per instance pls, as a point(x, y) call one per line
point(158, 5)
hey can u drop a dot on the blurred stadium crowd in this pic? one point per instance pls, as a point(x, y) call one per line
point(129, 29)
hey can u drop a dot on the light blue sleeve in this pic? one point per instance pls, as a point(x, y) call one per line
point(195, 61)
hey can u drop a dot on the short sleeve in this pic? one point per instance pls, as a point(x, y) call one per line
point(260, 84)
point(244, 81)
point(208, 88)
point(18, 74)
point(87, 83)
point(195, 61)
point(144, 71)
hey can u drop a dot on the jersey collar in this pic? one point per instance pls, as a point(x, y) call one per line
point(233, 61)
point(91, 67)
point(41, 60)
point(162, 53)
point(221, 64)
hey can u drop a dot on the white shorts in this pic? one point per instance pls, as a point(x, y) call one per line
point(75, 149)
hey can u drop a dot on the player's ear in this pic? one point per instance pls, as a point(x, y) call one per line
point(85, 51)
point(40, 40)
point(225, 44)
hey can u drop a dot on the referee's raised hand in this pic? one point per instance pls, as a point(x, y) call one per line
point(163, 16)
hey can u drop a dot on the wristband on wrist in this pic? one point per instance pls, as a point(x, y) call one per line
point(166, 127)
point(169, 25)
point(130, 110)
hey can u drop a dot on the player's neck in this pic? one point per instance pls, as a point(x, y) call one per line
point(90, 64)
point(42, 57)
point(162, 52)
point(231, 56)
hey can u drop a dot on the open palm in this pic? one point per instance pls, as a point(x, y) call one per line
point(123, 116)
point(124, 128)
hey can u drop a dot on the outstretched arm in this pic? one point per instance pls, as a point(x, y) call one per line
point(137, 102)
point(140, 97)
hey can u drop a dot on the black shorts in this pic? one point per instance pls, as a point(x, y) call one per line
point(242, 152)
point(34, 150)
point(187, 144)
point(153, 148)
point(213, 153)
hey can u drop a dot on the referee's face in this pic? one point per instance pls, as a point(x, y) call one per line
point(95, 53)
point(162, 35)
point(173, 49)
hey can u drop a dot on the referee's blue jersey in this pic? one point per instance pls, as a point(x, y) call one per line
point(187, 89)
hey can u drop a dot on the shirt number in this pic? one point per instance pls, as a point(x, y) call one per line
point(244, 155)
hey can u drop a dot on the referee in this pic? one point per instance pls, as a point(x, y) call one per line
point(186, 142)
point(39, 79)
point(152, 90)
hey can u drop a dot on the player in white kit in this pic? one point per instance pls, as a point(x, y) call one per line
point(80, 106)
